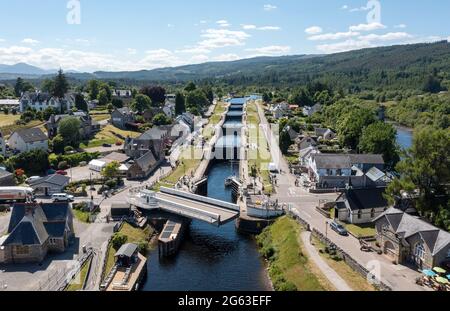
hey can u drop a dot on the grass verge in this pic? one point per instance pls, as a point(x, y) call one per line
point(360, 231)
point(74, 285)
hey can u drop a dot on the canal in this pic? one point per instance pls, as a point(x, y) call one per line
point(404, 137)
point(211, 258)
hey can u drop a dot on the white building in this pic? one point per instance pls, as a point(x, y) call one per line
point(40, 101)
point(25, 140)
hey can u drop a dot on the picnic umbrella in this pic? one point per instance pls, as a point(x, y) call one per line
point(439, 270)
point(442, 280)
point(429, 273)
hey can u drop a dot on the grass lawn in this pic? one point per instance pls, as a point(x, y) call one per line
point(8, 119)
point(101, 117)
point(289, 268)
point(361, 230)
point(261, 156)
point(106, 136)
point(81, 216)
point(74, 285)
point(209, 130)
point(11, 128)
point(189, 161)
point(134, 235)
point(355, 280)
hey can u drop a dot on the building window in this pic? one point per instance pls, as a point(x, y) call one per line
point(372, 213)
point(419, 251)
point(22, 250)
point(359, 214)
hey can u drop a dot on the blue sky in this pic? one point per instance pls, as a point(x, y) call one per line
point(147, 34)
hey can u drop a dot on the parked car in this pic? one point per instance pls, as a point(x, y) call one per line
point(62, 197)
point(107, 145)
point(339, 228)
point(32, 178)
point(61, 172)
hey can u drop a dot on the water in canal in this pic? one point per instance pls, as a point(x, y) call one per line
point(404, 137)
point(211, 258)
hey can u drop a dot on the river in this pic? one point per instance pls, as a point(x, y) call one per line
point(404, 137)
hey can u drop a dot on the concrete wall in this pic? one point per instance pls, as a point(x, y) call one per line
point(25, 254)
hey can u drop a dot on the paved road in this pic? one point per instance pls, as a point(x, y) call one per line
point(330, 274)
point(400, 278)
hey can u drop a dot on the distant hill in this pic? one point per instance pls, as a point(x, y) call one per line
point(390, 68)
point(24, 69)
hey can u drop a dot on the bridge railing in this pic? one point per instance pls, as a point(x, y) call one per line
point(198, 198)
point(190, 212)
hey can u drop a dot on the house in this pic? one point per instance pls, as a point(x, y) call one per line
point(28, 139)
point(36, 230)
point(169, 109)
point(187, 119)
point(10, 104)
point(361, 206)
point(144, 166)
point(50, 184)
point(309, 111)
point(150, 113)
point(280, 110)
point(346, 170)
point(305, 142)
point(324, 133)
point(406, 239)
point(88, 125)
point(6, 178)
point(122, 117)
point(40, 101)
point(305, 155)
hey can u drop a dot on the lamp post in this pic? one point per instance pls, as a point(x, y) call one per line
point(326, 229)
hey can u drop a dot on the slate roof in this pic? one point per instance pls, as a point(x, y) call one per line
point(407, 226)
point(32, 135)
point(332, 161)
point(147, 161)
point(54, 179)
point(27, 232)
point(126, 250)
point(55, 229)
point(4, 173)
point(360, 199)
point(366, 158)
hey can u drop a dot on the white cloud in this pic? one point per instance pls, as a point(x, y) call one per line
point(262, 28)
point(362, 8)
point(223, 23)
point(367, 27)
point(269, 50)
point(219, 38)
point(314, 30)
point(226, 57)
point(170, 25)
point(402, 26)
point(269, 7)
point(391, 36)
point(194, 50)
point(344, 7)
point(131, 51)
point(30, 41)
point(2, 40)
point(334, 36)
point(448, 39)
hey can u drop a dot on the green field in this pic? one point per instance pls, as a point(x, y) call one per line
point(106, 136)
point(289, 268)
point(8, 119)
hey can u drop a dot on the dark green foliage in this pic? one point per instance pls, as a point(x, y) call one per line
point(33, 162)
point(156, 93)
point(118, 239)
point(80, 102)
point(180, 104)
point(69, 129)
point(161, 119)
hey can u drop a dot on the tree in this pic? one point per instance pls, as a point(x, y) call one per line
point(161, 119)
point(93, 89)
point(61, 86)
point(110, 108)
point(426, 168)
point(352, 124)
point(22, 86)
point(118, 239)
point(111, 170)
point(58, 144)
point(34, 162)
point(266, 98)
point(180, 104)
point(196, 101)
point(285, 141)
point(208, 93)
point(80, 102)
point(141, 103)
point(190, 87)
point(381, 138)
point(48, 112)
point(102, 98)
point(69, 129)
point(432, 85)
point(117, 103)
point(48, 85)
point(156, 93)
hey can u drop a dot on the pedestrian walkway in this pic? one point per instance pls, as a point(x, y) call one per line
point(330, 274)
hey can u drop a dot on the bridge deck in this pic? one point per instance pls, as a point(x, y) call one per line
point(194, 209)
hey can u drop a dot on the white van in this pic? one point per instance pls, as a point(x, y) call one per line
point(62, 197)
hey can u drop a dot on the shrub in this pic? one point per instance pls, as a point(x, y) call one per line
point(118, 239)
point(62, 165)
point(112, 183)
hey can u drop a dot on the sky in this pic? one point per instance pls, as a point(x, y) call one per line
point(117, 35)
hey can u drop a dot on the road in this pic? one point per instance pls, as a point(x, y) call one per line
point(303, 203)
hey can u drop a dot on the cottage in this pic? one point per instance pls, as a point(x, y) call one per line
point(40, 101)
point(88, 126)
point(122, 117)
point(50, 184)
point(345, 170)
point(155, 139)
point(309, 111)
point(28, 139)
point(187, 119)
point(361, 206)
point(35, 230)
point(169, 109)
point(144, 166)
point(305, 155)
point(406, 239)
point(325, 133)
point(305, 142)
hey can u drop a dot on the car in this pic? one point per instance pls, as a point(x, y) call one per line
point(107, 145)
point(339, 228)
point(61, 172)
point(32, 179)
point(62, 197)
